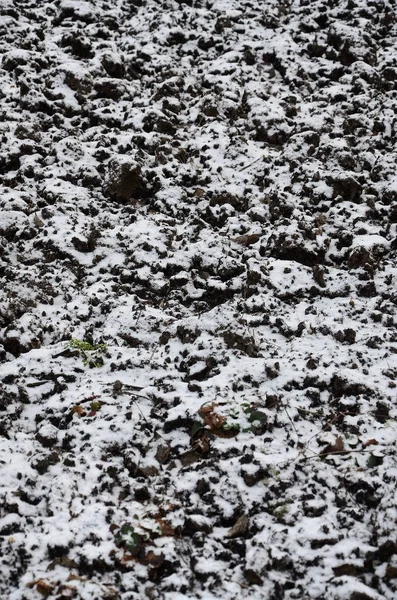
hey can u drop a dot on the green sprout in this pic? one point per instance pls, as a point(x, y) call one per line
point(129, 539)
point(92, 355)
point(279, 510)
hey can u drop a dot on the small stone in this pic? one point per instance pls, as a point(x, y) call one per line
point(189, 457)
point(163, 453)
point(347, 569)
point(252, 577)
point(142, 494)
point(391, 572)
point(240, 527)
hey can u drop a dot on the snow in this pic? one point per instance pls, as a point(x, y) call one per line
point(206, 193)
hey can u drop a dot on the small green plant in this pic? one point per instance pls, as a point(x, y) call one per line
point(279, 510)
point(129, 539)
point(91, 355)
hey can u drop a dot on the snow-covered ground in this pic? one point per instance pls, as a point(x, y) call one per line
point(198, 237)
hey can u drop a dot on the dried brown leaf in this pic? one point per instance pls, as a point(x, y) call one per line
point(37, 221)
point(44, 588)
point(78, 410)
point(214, 421)
point(207, 409)
point(247, 240)
point(154, 560)
point(201, 445)
point(166, 528)
point(63, 561)
point(337, 447)
point(126, 559)
point(73, 577)
point(67, 591)
point(371, 442)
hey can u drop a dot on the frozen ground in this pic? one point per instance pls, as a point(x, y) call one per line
point(203, 194)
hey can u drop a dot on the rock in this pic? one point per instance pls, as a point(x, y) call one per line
point(347, 335)
point(240, 527)
point(347, 569)
point(163, 453)
point(391, 572)
point(252, 577)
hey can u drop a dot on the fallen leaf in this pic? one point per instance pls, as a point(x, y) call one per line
point(127, 558)
point(336, 448)
point(154, 560)
point(95, 406)
point(214, 420)
point(247, 240)
point(207, 409)
point(339, 446)
point(37, 221)
point(371, 442)
point(44, 588)
point(62, 561)
point(201, 445)
point(73, 577)
point(78, 410)
point(31, 584)
point(166, 528)
point(189, 457)
point(67, 591)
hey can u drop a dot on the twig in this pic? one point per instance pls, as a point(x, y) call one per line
point(250, 164)
point(292, 423)
point(336, 452)
point(139, 408)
